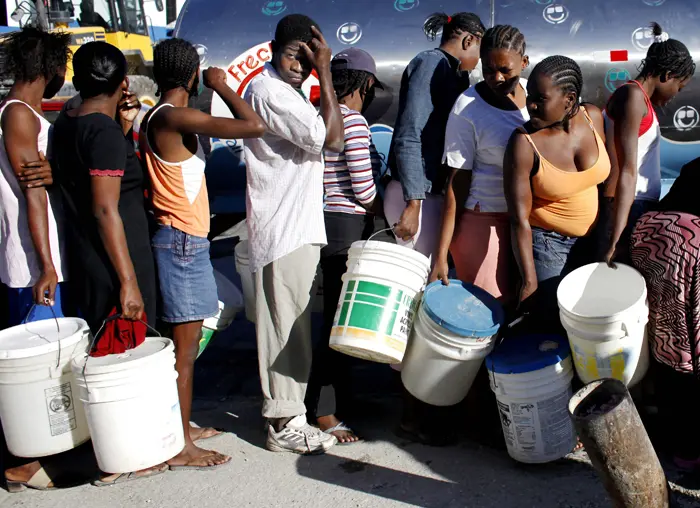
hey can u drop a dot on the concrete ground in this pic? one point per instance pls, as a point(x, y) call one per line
point(381, 471)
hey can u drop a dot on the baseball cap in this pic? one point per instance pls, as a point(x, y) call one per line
point(356, 59)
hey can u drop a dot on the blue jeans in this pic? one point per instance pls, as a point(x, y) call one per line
point(186, 276)
point(604, 228)
point(556, 256)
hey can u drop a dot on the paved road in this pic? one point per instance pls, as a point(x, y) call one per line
point(382, 471)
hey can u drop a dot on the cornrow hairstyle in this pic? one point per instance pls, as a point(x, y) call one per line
point(346, 81)
point(99, 69)
point(667, 57)
point(452, 26)
point(503, 37)
point(294, 27)
point(32, 53)
point(566, 74)
point(175, 61)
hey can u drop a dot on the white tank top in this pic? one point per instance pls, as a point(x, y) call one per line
point(20, 266)
point(648, 153)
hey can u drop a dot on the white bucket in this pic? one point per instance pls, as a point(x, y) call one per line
point(132, 406)
point(604, 312)
point(452, 334)
point(230, 303)
point(40, 411)
point(243, 268)
point(531, 377)
point(378, 301)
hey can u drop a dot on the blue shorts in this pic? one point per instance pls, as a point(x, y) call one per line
point(185, 275)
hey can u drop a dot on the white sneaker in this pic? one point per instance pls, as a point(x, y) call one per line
point(299, 437)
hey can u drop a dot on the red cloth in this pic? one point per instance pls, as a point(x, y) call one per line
point(118, 335)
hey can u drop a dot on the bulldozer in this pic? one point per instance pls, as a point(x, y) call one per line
point(121, 23)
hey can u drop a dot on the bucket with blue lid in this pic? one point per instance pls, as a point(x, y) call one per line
point(454, 330)
point(531, 377)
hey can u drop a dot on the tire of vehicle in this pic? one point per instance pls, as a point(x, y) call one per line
point(144, 88)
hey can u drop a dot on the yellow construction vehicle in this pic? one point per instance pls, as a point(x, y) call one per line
point(121, 23)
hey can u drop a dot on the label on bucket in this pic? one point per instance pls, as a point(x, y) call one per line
point(59, 406)
point(537, 431)
point(592, 363)
point(378, 309)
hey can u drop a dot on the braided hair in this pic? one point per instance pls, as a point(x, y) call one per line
point(503, 37)
point(346, 81)
point(667, 56)
point(175, 61)
point(452, 26)
point(567, 76)
point(32, 53)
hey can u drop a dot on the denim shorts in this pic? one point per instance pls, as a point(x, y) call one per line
point(185, 275)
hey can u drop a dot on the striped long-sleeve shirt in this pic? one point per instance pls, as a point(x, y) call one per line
point(348, 178)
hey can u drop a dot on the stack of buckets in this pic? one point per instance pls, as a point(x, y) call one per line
point(53, 397)
point(454, 331)
point(381, 290)
point(604, 312)
point(531, 378)
point(230, 304)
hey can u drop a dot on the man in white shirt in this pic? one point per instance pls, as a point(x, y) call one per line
point(285, 223)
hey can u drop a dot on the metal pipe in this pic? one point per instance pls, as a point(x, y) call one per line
point(612, 433)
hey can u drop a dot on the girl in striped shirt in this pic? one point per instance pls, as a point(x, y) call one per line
point(350, 198)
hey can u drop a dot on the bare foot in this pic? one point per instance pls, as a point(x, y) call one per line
point(199, 433)
point(343, 434)
point(579, 446)
point(143, 473)
point(193, 456)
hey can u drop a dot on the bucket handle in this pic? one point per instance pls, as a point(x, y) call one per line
point(99, 332)
point(501, 338)
point(58, 328)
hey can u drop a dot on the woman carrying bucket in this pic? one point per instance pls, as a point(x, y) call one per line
point(555, 206)
point(175, 160)
point(475, 212)
point(351, 200)
point(665, 247)
point(102, 187)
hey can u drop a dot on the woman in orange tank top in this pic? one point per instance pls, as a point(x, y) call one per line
point(552, 169)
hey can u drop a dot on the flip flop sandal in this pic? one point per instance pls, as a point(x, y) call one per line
point(342, 427)
point(200, 468)
point(128, 477)
point(220, 432)
point(39, 481)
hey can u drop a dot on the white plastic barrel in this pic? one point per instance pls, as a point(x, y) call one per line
point(531, 377)
point(378, 301)
point(247, 281)
point(132, 406)
point(604, 312)
point(39, 408)
point(453, 332)
point(230, 303)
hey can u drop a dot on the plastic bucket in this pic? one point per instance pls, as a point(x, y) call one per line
point(247, 282)
point(378, 301)
point(40, 412)
point(604, 312)
point(132, 406)
point(452, 334)
point(230, 303)
point(531, 377)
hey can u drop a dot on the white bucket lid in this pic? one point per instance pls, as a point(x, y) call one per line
point(131, 359)
point(41, 337)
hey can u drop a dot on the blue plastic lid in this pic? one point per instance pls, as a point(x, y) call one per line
point(462, 308)
point(528, 353)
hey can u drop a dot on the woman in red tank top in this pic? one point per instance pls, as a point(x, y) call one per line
point(633, 142)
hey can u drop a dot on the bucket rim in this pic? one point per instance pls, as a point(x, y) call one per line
point(471, 342)
point(528, 353)
point(484, 296)
point(49, 347)
point(563, 286)
point(82, 368)
point(386, 247)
